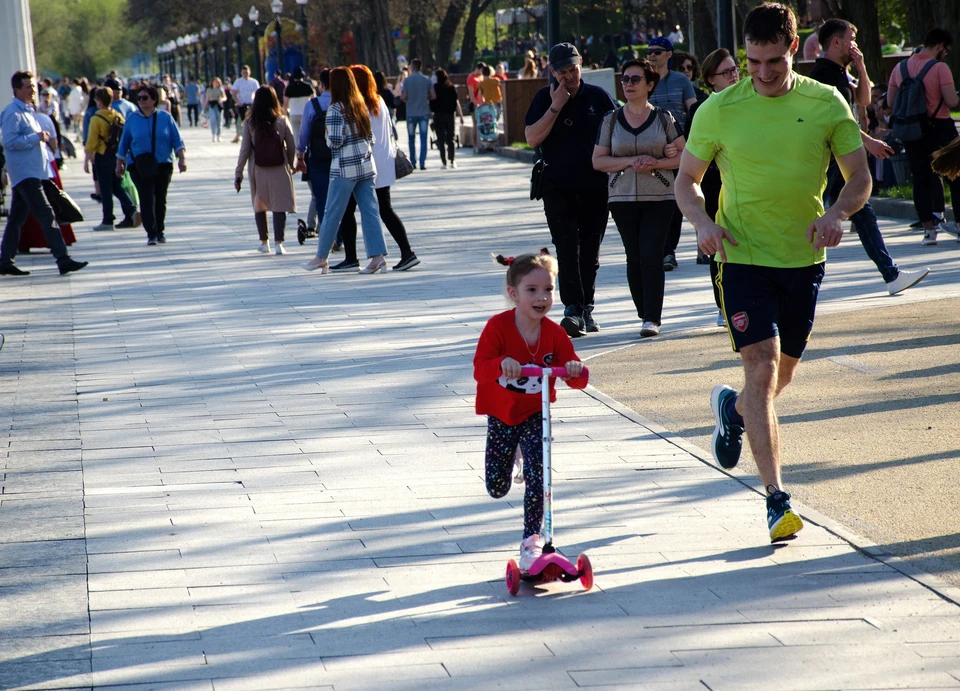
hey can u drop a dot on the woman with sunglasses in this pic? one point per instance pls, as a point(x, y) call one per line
point(719, 72)
point(151, 132)
point(635, 143)
point(687, 65)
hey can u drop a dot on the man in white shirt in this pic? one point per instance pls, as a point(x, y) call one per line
point(244, 89)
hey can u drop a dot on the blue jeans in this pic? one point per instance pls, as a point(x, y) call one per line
point(213, 116)
point(338, 196)
point(412, 122)
point(865, 223)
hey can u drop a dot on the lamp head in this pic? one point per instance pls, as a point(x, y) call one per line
point(237, 21)
point(203, 34)
point(276, 6)
point(254, 14)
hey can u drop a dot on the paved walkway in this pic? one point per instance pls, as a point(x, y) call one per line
point(222, 472)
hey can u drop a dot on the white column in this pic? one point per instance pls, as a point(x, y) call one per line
point(16, 44)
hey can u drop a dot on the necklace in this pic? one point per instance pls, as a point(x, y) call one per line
point(532, 353)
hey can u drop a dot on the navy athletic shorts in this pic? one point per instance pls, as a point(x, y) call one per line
point(761, 302)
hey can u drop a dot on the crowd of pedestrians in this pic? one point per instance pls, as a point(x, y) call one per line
point(766, 169)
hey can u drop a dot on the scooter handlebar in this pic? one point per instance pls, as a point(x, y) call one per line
point(532, 371)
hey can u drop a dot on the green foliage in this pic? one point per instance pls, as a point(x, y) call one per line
point(521, 145)
point(906, 192)
point(81, 38)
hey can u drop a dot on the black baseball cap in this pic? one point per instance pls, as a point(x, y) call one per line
point(113, 84)
point(563, 55)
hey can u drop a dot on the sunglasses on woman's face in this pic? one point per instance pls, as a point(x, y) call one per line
point(656, 52)
point(687, 68)
point(143, 97)
point(631, 79)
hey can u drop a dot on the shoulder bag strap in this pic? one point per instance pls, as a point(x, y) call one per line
point(153, 136)
point(664, 124)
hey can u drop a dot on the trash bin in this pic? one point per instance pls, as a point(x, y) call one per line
point(901, 169)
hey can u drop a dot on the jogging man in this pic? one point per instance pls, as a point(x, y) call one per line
point(838, 42)
point(771, 136)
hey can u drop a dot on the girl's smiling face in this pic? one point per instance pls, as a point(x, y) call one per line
point(533, 296)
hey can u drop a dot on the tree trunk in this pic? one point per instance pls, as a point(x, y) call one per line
point(948, 17)
point(448, 28)
point(920, 16)
point(705, 21)
point(420, 33)
point(375, 39)
point(469, 48)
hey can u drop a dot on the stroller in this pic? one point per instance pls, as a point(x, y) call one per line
point(487, 136)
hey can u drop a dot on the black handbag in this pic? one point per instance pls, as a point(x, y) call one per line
point(537, 176)
point(401, 164)
point(147, 164)
point(64, 208)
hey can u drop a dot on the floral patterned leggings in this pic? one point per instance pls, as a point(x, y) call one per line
point(502, 442)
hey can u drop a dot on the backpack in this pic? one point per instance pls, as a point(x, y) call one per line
point(910, 119)
point(269, 153)
point(319, 150)
point(113, 138)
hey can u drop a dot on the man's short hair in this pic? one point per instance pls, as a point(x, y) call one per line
point(19, 77)
point(486, 71)
point(324, 78)
point(416, 64)
point(480, 65)
point(831, 28)
point(769, 23)
point(937, 36)
point(245, 67)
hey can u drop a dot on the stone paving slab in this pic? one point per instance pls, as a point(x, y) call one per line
point(222, 472)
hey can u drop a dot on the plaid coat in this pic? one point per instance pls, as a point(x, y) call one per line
point(352, 155)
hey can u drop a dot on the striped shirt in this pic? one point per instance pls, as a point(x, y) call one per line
point(352, 155)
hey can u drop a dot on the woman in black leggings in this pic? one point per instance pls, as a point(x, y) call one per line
point(444, 107)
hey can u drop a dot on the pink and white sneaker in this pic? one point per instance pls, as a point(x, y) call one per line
point(530, 550)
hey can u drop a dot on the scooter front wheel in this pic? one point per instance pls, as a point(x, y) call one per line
point(586, 571)
point(513, 577)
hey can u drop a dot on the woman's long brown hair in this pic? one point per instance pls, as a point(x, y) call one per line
point(266, 108)
point(946, 161)
point(343, 90)
point(367, 86)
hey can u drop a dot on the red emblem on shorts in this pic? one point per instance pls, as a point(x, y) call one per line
point(740, 321)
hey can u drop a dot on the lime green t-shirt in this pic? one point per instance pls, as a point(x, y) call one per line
point(773, 155)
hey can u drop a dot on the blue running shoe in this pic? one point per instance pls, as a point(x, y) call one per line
point(784, 524)
point(727, 435)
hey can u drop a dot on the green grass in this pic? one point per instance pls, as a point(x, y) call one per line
point(521, 145)
point(906, 192)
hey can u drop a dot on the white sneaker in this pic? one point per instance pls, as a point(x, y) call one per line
point(280, 249)
point(721, 320)
point(649, 329)
point(453, 164)
point(929, 238)
point(443, 167)
point(518, 467)
point(264, 248)
point(104, 226)
point(905, 280)
point(530, 550)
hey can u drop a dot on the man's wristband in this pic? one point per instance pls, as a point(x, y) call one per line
point(554, 110)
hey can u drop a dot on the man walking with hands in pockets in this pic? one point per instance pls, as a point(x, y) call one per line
point(777, 131)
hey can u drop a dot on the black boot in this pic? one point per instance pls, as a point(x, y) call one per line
point(573, 322)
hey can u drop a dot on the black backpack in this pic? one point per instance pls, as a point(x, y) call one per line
point(319, 151)
point(113, 139)
point(910, 119)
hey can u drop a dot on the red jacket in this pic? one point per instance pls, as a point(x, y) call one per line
point(514, 400)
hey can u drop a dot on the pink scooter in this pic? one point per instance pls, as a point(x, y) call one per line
point(551, 565)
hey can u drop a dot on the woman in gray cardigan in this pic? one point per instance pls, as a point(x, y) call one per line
point(638, 145)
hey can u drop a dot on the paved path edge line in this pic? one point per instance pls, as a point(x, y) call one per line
point(860, 543)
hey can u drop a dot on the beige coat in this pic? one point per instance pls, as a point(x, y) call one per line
point(270, 188)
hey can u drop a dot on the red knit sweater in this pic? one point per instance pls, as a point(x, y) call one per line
point(514, 400)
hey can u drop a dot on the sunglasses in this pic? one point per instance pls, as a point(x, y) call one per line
point(143, 97)
point(686, 68)
point(631, 79)
point(656, 52)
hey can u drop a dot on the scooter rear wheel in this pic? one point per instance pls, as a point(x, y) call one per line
point(513, 577)
point(586, 571)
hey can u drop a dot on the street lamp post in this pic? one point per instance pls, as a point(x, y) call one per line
point(257, 32)
point(183, 69)
point(195, 42)
point(206, 58)
point(237, 24)
point(214, 49)
point(225, 31)
point(303, 31)
point(277, 7)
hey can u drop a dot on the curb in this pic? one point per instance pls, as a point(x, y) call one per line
point(868, 548)
point(515, 154)
point(899, 208)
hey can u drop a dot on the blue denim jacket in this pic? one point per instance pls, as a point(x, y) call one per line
point(21, 143)
point(137, 134)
